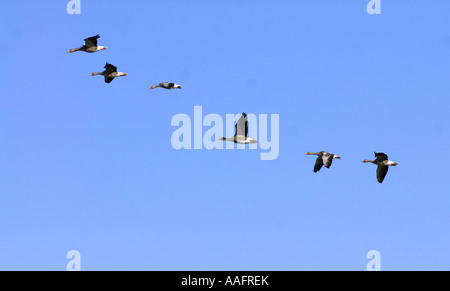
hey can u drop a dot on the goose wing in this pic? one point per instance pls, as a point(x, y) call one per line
point(165, 85)
point(110, 68)
point(108, 79)
point(381, 173)
point(381, 156)
point(241, 127)
point(327, 159)
point(91, 41)
point(246, 128)
point(318, 165)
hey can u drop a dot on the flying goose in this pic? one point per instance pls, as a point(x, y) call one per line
point(241, 132)
point(383, 164)
point(110, 73)
point(166, 85)
point(90, 45)
point(323, 159)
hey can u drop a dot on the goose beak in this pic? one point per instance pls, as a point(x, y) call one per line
point(394, 164)
point(337, 157)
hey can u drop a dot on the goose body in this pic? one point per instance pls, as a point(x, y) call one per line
point(167, 85)
point(383, 164)
point(110, 73)
point(323, 159)
point(90, 45)
point(241, 132)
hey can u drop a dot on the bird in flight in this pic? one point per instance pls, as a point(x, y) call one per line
point(383, 164)
point(90, 45)
point(110, 73)
point(166, 85)
point(323, 159)
point(241, 132)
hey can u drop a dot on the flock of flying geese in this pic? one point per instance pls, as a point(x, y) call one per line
point(382, 161)
point(91, 46)
point(241, 127)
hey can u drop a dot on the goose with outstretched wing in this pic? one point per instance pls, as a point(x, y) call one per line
point(90, 45)
point(323, 159)
point(383, 164)
point(109, 73)
point(241, 132)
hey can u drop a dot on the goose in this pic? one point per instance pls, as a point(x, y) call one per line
point(323, 159)
point(110, 73)
point(90, 45)
point(383, 164)
point(166, 85)
point(241, 132)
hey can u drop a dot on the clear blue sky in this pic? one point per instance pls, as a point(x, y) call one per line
point(89, 166)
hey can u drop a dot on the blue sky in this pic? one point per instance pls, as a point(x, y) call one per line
point(89, 166)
